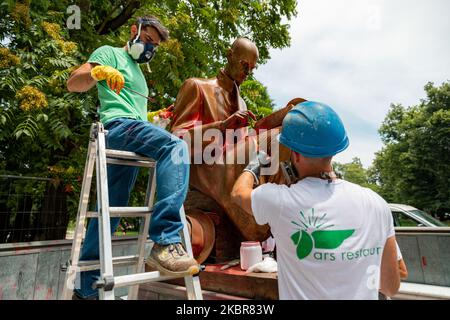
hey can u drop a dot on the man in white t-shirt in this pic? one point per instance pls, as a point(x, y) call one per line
point(335, 239)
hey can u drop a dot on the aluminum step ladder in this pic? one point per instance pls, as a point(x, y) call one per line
point(100, 156)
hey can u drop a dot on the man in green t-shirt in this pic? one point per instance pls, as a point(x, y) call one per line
point(115, 72)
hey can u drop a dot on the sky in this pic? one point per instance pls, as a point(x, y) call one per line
point(359, 56)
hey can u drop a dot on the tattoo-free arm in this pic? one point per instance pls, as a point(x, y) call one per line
point(389, 272)
point(81, 80)
point(241, 194)
point(402, 269)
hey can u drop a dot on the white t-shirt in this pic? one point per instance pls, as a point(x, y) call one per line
point(330, 237)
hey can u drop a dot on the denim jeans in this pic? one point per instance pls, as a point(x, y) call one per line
point(172, 179)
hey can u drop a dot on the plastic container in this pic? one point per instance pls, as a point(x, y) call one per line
point(251, 253)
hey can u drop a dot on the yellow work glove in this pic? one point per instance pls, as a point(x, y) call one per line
point(114, 79)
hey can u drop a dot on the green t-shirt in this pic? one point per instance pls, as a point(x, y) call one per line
point(126, 104)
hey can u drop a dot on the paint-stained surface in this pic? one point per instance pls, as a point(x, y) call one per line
point(426, 256)
point(47, 276)
point(33, 271)
point(434, 264)
point(64, 257)
point(444, 253)
point(410, 252)
point(17, 276)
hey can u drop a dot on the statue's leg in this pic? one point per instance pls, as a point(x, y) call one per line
point(227, 238)
point(217, 180)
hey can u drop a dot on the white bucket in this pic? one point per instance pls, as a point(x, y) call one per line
point(251, 253)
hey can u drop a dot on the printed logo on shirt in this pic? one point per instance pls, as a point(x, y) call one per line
point(312, 234)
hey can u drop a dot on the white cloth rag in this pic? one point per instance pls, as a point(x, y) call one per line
point(267, 265)
point(268, 245)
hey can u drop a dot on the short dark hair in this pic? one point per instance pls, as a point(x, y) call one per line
point(153, 21)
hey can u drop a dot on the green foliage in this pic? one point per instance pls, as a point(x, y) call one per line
point(256, 97)
point(45, 128)
point(201, 31)
point(414, 165)
point(356, 173)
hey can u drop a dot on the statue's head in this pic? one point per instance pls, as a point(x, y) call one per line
point(242, 58)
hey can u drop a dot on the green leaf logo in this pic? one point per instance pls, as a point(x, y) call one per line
point(311, 235)
point(330, 239)
point(304, 243)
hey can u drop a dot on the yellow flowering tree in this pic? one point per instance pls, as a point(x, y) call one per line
point(44, 128)
point(37, 114)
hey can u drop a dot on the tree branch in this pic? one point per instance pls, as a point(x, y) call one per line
point(115, 23)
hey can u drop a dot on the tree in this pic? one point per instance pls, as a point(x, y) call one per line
point(201, 31)
point(49, 123)
point(45, 129)
point(256, 97)
point(355, 172)
point(414, 165)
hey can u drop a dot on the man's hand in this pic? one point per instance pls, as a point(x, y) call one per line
point(262, 159)
point(113, 77)
point(237, 120)
point(241, 194)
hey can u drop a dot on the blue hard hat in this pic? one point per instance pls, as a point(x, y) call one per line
point(314, 130)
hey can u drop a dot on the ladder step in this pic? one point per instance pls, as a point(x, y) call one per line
point(128, 158)
point(147, 164)
point(117, 261)
point(138, 278)
point(126, 155)
point(124, 212)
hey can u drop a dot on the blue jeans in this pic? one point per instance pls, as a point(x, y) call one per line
point(172, 179)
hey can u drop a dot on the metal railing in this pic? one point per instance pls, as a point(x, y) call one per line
point(36, 209)
point(31, 209)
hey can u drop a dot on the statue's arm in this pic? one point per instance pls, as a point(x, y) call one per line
point(188, 112)
point(187, 106)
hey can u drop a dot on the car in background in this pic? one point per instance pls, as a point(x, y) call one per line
point(407, 216)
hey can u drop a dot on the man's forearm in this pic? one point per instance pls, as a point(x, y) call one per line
point(389, 271)
point(242, 192)
point(81, 80)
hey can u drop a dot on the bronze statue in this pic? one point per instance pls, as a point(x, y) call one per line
point(217, 104)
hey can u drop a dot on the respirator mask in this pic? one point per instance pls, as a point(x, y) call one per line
point(140, 51)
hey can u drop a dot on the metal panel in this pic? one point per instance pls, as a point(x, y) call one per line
point(129, 250)
point(23, 271)
point(47, 276)
point(118, 251)
point(64, 257)
point(432, 264)
point(444, 251)
point(17, 274)
point(410, 251)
